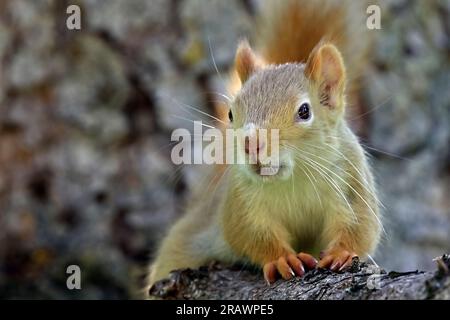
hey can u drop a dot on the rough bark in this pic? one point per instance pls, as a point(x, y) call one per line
point(360, 282)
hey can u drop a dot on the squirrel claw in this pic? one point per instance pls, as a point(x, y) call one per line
point(308, 260)
point(288, 266)
point(270, 272)
point(337, 260)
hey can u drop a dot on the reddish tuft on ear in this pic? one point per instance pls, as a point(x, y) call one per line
point(325, 67)
point(246, 62)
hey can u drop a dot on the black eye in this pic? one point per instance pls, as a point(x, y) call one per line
point(304, 112)
point(230, 116)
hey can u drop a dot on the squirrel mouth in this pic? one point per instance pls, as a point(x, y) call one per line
point(266, 170)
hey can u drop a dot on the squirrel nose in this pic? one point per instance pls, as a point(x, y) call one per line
point(255, 148)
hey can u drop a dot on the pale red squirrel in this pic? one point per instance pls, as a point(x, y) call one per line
point(322, 200)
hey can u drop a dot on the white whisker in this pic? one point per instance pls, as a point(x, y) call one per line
point(202, 112)
point(214, 61)
point(223, 96)
point(312, 183)
point(361, 176)
point(316, 166)
point(372, 110)
point(353, 189)
point(204, 125)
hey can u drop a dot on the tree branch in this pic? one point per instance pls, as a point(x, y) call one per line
point(362, 281)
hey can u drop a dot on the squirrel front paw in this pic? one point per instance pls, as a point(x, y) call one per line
point(288, 266)
point(336, 259)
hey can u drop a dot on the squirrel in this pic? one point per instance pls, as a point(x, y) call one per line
point(321, 208)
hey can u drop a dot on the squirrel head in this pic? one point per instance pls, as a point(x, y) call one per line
point(305, 102)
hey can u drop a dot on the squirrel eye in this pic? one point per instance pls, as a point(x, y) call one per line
point(230, 116)
point(304, 112)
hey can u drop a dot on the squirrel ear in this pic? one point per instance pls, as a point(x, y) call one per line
point(325, 67)
point(246, 62)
